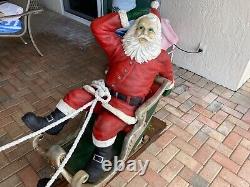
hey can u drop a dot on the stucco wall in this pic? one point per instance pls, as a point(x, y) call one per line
point(245, 74)
point(223, 28)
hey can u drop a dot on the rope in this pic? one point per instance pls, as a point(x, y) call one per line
point(101, 92)
point(72, 149)
point(98, 85)
point(32, 135)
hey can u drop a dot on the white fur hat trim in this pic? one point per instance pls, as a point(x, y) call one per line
point(155, 4)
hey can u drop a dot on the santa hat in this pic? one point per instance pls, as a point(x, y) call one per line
point(154, 9)
point(153, 13)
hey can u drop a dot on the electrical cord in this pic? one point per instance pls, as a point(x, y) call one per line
point(198, 51)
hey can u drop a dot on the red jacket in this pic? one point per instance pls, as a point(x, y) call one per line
point(125, 75)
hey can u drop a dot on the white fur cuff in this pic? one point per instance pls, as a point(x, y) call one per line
point(65, 108)
point(124, 18)
point(105, 143)
point(155, 4)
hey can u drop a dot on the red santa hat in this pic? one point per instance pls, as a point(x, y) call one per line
point(155, 14)
point(154, 9)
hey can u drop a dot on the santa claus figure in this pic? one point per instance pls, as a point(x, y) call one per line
point(134, 62)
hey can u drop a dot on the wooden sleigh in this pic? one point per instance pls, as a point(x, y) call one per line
point(125, 145)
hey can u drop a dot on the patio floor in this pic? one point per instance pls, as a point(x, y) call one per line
point(207, 135)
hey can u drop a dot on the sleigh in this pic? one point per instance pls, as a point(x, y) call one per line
point(125, 146)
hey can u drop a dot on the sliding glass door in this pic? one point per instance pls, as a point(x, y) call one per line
point(86, 9)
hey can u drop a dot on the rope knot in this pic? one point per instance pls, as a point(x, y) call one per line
point(102, 93)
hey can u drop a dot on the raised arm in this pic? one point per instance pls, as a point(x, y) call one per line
point(104, 28)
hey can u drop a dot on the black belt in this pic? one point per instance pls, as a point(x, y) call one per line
point(133, 101)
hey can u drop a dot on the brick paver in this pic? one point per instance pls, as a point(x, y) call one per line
point(171, 170)
point(210, 170)
point(207, 136)
point(28, 176)
point(246, 117)
point(245, 170)
point(32, 83)
point(220, 182)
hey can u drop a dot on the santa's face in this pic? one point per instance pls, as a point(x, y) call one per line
point(142, 42)
point(145, 31)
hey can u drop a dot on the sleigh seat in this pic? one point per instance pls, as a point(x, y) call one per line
point(125, 145)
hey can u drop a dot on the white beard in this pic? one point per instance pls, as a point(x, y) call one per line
point(142, 53)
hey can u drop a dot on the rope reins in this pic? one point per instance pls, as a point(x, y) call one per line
point(102, 94)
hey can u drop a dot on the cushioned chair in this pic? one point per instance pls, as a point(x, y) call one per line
point(125, 146)
point(30, 7)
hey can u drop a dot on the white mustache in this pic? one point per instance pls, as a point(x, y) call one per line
point(145, 37)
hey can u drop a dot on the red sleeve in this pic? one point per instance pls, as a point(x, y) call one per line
point(104, 28)
point(167, 68)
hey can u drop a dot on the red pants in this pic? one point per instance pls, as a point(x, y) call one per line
point(107, 125)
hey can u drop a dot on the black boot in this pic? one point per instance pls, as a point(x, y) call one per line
point(94, 168)
point(43, 182)
point(36, 123)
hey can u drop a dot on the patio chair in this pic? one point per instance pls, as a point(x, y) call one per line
point(125, 146)
point(31, 7)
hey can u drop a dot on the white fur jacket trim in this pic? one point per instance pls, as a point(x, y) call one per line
point(124, 18)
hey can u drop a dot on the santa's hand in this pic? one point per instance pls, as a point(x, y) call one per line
point(136, 13)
